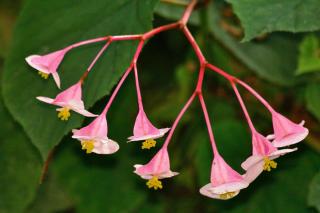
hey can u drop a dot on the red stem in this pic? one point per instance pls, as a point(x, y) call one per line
point(175, 123)
point(208, 123)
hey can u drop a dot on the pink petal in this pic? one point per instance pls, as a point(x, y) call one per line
point(105, 147)
point(56, 78)
point(97, 129)
point(281, 152)
point(72, 93)
point(143, 126)
point(207, 191)
point(159, 164)
point(286, 132)
point(260, 145)
point(253, 171)
point(161, 133)
point(47, 63)
point(45, 99)
point(250, 161)
point(222, 173)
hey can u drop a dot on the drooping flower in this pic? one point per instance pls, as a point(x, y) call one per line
point(69, 99)
point(225, 183)
point(94, 137)
point(144, 130)
point(48, 64)
point(262, 158)
point(157, 168)
point(286, 132)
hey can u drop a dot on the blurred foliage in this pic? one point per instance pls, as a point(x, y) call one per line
point(77, 182)
point(264, 16)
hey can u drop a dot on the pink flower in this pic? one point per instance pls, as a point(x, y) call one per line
point(144, 130)
point(286, 132)
point(48, 64)
point(94, 137)
point(157, 168)
point(225, 182)
point(69, 99)
point(263, 154)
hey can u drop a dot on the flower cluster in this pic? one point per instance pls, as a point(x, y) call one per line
point(225, 182)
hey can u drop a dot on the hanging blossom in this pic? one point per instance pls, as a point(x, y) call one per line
point(94, 137)
point(225, 182)
point(69, 99)
point(143, 129)
point(48, 64)
point(262, 158)
point(157, 168)
point(286, 132)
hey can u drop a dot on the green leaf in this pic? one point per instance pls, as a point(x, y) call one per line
point(20, 166)
point(313, 99)
point(314, 192)
point(271, 58)
point(265, 16)
point(46, 26)
point(50, 198)
point(309, 57)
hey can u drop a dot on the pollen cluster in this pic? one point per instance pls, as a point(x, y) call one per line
point(154, 183)
point(227, 195)
point(43, 75)
point(148, 144)
point(269, 164)
point(88, 146)
point(64, 114)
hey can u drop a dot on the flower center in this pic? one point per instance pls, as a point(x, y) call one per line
point(87, 145)
point(147, 144)
point(43, 75)
point(154, 183)
point(64, 113)
point(269, 164)
point(227, 195)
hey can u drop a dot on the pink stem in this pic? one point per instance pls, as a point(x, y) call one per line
point(125, 37)
point(138, 87)
point(160, 29)
point(187, 12)
point(221, 72)
point(259, 97)
point(88, 42)
point(208, 123)
point(245, 111)
point(200, 79)
point(98, 55)
point(116, 90)
point(181, 113)
point(194, 45)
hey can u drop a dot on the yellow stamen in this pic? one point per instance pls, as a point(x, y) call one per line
point(227, 195)
point(147, 144)
point(64, 113)
point(154, 183)
point(43, 75)
point(88, 146)
point(269, 164)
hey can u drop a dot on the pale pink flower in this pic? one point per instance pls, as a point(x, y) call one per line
point(94, 137)
point(48, 64)
point(286, 132)
point(263, 154)
point(225, 182)
point(69, 99)
point(157, 168)
point(144, 130)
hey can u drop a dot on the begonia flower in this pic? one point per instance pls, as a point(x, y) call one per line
point(48, 64)
point(225, 183)
point(94, 137)
point(157, 168)
point(144, 131)
point(69, 99)
point(262, 158)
